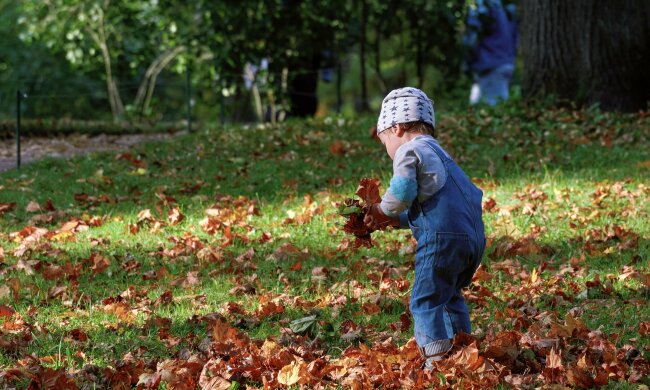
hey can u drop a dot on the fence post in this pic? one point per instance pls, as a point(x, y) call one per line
point(189, 99)
point(339, 101)
point(19, 97)
point(222, 102)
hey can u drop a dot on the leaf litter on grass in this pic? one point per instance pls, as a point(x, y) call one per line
point(174, 288)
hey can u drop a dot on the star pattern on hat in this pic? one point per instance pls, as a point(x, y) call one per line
point(414, 104)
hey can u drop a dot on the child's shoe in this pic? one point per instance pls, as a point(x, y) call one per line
point(435, 351)
point(428, 364)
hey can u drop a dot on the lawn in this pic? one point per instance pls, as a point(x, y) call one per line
point(217, 260)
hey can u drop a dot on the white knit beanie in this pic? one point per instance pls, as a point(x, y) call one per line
point(405, 105)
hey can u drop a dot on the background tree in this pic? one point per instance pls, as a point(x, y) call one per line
point(423, 35)
point(131, 45)
point(120, 37)
point(307, 37)
point(293, 35)
point(433, 31)
point(34, 67)
point(587, 51)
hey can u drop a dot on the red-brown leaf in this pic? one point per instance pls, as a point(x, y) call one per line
point(6, 311)
point(368, 190)
point(4, 207)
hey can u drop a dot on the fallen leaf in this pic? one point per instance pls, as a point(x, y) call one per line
point(33, 207)
point(175, 217)
point(6, 311)
point(5, 207)
point(289, 375)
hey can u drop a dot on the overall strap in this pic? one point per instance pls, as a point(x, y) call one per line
point(451, 174)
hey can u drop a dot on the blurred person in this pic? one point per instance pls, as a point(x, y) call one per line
point(491, 40)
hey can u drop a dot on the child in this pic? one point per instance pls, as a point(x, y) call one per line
point(432, 195)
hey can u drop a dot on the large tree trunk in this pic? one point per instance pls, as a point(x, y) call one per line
point(587, 51)
point(98, 34)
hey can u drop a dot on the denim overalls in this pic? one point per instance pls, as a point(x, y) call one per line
point(450, 243)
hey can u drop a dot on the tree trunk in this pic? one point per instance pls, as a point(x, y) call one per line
point(257, 98)
point(99, 36)
point(587, 51)
point(117, 107)
point(362, 47)
point(148, 84)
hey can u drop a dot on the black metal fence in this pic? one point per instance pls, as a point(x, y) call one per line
point(177, 103)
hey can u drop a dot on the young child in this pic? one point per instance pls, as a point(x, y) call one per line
point(432, 195)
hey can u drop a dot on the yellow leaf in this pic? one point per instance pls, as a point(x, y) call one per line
point(554, 360)
point(391, 359)
point(289, 375)
point(138, 172)
point(64, 236)
point(534, 276)
point(504, 227)
point(269, 348)
point(342, 367)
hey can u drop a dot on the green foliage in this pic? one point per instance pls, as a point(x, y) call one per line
point(135, 30)
point(419, 34)
point(110, 53)
point(127, 40)
point(35, 68)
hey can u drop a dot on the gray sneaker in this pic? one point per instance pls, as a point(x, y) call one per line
point(435, 351)
point(428, 364)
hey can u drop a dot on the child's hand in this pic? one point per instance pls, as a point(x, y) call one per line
point(377, 220)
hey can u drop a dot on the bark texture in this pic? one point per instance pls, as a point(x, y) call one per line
point(588, 51)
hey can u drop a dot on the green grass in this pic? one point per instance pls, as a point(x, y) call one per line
point(562, 179)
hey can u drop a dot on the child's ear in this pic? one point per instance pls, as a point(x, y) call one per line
point(399, 130)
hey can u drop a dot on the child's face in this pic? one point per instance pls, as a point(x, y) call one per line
point(391, 139)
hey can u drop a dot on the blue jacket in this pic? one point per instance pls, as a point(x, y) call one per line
point(490, 36)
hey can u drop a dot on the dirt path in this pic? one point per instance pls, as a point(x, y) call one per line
point(36, 148)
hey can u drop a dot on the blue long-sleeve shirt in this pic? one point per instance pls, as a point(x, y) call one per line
point(418, 173)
